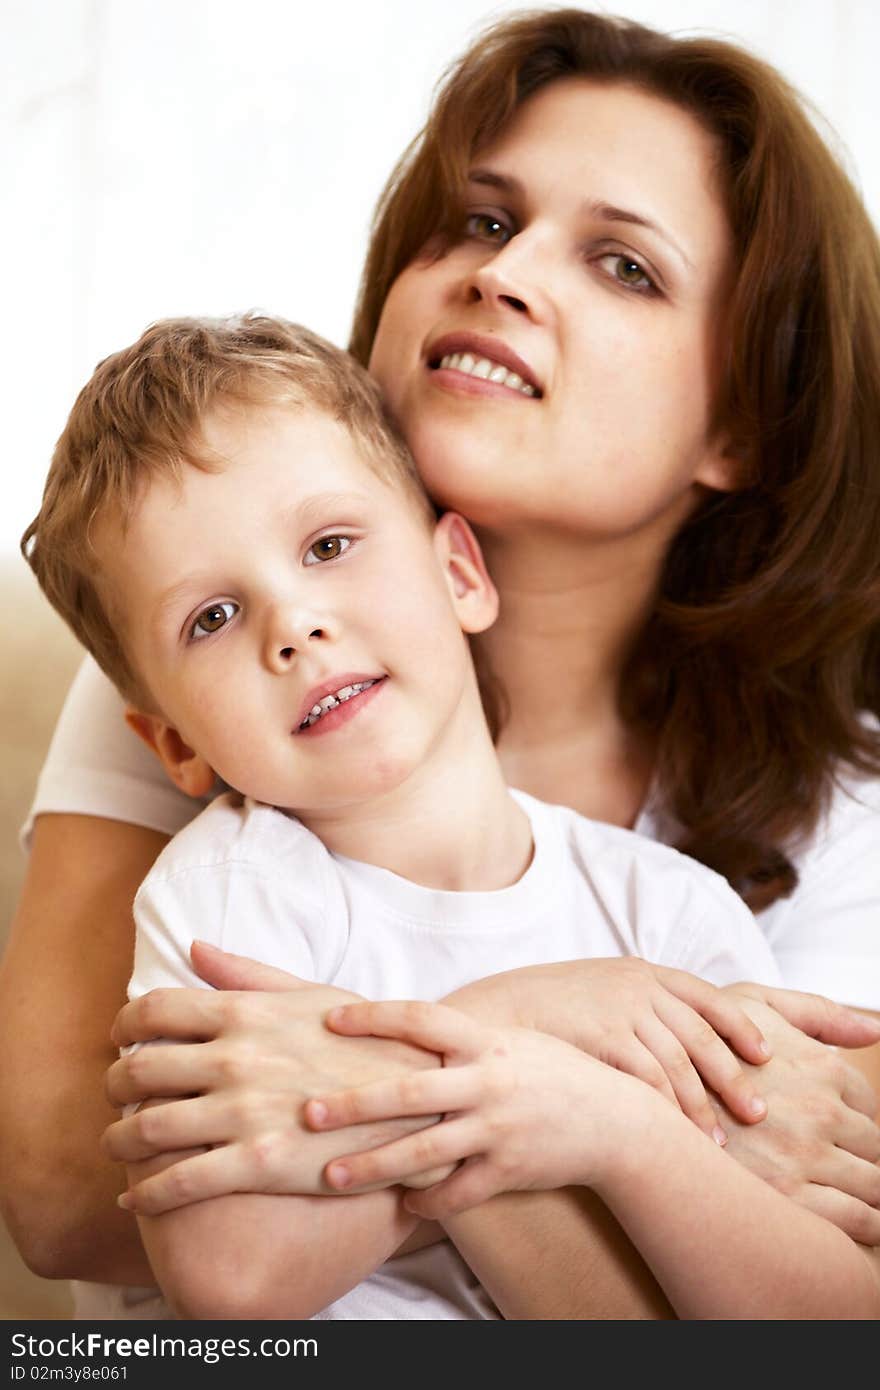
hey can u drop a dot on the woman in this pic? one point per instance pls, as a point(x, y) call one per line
point(680, 512)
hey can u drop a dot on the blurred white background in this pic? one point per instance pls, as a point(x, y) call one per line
point(205, 156)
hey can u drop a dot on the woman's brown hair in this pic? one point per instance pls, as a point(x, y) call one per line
point(764, 649)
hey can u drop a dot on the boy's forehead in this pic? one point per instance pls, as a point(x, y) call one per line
point(305, 446)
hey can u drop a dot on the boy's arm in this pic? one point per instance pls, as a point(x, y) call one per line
point(556, 1255)
point(254, 1256)
point(588, 1267)
point(250, 1254)
point(523, 1110)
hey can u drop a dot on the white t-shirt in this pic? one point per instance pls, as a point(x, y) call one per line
point(253, 880)
point(823, 937)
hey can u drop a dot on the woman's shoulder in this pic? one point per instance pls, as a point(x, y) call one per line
point(848, 824)
point(825, 935)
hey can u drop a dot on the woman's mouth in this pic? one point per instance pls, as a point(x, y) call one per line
point(483, 369)
point(481, 364)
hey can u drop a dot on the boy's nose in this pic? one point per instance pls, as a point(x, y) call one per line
point(288, 633)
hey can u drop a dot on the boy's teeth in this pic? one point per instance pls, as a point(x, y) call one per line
point(328, 702)
point(486, 369)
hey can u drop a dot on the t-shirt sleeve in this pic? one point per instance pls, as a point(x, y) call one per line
point(249, 880)
point(235, 907)
point(826, 936)
point(96, 766)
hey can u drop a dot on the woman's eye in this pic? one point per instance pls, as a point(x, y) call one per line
point(627, 272)
point(211, 619)
point(327, 548)
point(485, 227)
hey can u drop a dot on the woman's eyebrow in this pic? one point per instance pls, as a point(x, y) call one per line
point(598, 208)
point(607, 212)
point(493, 180)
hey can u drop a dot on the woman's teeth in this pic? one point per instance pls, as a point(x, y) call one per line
point(487, 369)
point(329, 702)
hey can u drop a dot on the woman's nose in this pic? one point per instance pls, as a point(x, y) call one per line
point(288, 633)
point(511, 280)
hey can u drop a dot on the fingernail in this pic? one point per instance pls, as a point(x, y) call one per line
point(757, 1106)
point(338, 1175)
point(719, 1136)
point(317, 1111)
point(764, 1048)
point(125, 1201)
point(335, 1014)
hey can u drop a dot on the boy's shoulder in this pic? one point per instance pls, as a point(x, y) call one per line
point(253, 881)
point(234, 829)
point(657, 902)
point(613, 848)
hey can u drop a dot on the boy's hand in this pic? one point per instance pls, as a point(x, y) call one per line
point(679, 1034)
point(523, 1110)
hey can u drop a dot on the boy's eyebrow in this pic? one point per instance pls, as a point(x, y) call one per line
point(321, 502)
point(168, 599)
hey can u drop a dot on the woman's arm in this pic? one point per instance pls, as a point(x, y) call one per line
point(62, 981)
point(867, 1061)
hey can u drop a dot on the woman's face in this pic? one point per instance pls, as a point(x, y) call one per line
point(557, 366)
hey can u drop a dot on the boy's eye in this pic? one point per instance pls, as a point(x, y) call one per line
point(211, 619)
point(327, 548)
point(485, 227)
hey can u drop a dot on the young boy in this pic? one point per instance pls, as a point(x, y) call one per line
point(233, 530)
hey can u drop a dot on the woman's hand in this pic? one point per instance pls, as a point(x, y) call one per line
point(818, 1144)
point(523, 1110)
point(670, 1029)
point(245, 1063)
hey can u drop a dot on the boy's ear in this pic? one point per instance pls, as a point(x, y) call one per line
point(187, 769)
point(474, 596)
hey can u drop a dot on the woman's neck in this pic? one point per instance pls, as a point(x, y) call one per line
point(569, 616)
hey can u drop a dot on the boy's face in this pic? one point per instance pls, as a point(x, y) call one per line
point(250, 595)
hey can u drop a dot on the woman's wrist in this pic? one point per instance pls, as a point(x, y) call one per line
point(497, 1000)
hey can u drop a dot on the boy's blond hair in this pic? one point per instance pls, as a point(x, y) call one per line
point(140, 417)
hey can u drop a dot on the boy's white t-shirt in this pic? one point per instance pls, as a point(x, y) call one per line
point(258, 883)
point(823, 938)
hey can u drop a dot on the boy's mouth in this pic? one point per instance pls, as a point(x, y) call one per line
point(332, 699)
